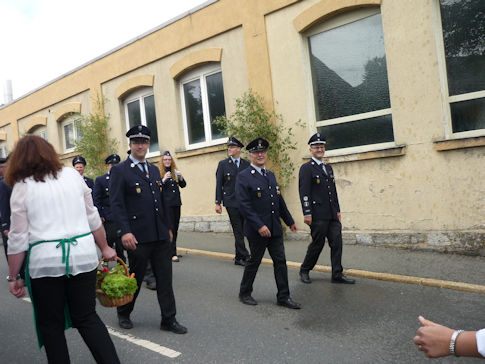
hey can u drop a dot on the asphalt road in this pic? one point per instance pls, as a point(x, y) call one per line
point(371, 322)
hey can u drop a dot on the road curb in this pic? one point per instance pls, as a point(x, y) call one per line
point(430, 282)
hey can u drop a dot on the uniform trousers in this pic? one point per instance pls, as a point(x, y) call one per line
point(159, 254)
point(50, 295)
point(276, 250)
point(113, 239)
point(237, 221)
point(5, 244)
point(321, 229)
point(175, 218)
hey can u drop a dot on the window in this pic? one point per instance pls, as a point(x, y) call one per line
point(3, 150)
point(463, 47)
point(350, 85)
point(40, 131)
point(202, 95)
point(71, 132)
point(140, 109)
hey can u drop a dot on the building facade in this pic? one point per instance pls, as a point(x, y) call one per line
point(397, 87)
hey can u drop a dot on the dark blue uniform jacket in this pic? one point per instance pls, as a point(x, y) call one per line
point(89, 182)
point(261, 203)
point(101, 196)
point(318, 193)
point(226, 176)
point(171, 191)
point(5, 193)
point(137, 203)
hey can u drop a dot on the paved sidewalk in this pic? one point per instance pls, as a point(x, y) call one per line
point(440, 266)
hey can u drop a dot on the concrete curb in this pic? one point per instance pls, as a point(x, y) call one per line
point(430, 282)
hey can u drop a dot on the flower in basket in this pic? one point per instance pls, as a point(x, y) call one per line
point(114, 283)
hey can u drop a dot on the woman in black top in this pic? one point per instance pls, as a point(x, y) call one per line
point(172, 180)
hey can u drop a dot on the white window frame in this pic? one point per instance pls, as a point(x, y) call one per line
point(70, 120)
point(200, 74)
point(446, 99)
point(139, 96)
point(337, 21)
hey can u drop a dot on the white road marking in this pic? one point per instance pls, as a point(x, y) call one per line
point(145, 343)
point(140, 342)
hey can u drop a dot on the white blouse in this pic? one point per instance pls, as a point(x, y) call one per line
point(480, 336)
point(55, 209)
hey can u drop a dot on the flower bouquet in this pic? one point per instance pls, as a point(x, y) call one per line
point(115, 286)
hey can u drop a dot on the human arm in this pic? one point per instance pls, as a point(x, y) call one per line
point(305, 191)
point(434, 340)
point(98, 196)
point(181, 180)
point(219, 182)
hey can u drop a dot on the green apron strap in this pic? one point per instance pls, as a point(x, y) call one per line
point(65, 259)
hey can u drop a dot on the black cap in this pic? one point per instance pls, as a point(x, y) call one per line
point(139, 132)
point(317, 138)
point(257, 145)
point(3, 161)
point(128, 151)
point(112, 159)
point(233, 141)
point(78, 159)
point(167, 153)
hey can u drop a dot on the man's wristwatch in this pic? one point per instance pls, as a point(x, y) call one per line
point(453, 341)
point(13, 279)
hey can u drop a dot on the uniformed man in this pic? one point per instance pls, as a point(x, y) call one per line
point(79, 164)
point(226, 176)
point(321, 211)
point(5, 192)
point(101, 201)
point(140, 213)
point(262, 205)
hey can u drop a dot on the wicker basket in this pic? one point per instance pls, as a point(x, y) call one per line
point(107, 301)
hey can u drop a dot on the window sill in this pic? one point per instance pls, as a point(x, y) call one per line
point(452, 144)
point(200, 151)
point(375, 154)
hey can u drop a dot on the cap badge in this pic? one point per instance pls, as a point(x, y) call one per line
point(139, 127)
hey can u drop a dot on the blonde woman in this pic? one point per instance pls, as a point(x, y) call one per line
point(172, 179)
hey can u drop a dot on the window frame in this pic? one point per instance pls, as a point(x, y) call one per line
point(201, 73)
point(139, 95)
point(41, 130)
point(446, 99)
point(332, 23)
point(3, 149)
point(71, 119)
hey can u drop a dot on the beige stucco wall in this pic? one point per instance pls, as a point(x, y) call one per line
point(422, 191)
point(199, 170)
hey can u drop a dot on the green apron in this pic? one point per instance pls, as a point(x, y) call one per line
point(65, 259)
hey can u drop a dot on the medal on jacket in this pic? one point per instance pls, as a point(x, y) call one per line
point(107, 192)
point(278, 190)
point(228, 177)
point(259, 193)
point(318, 179)
point(138, 189)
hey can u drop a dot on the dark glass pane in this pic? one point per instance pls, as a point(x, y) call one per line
point(134, 117)
point(151, 119)
point(468, 115)
point(464, 40)
point(193, 110)
point(217, 107)
point(349, 69)
point(360, 132)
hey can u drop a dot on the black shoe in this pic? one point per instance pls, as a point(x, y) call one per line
point(152, 285)
point(248, 300)
point(125, 322)
point(173, 326)
point(240, 262)
point(343, 279)
point(288, 302)
point(305, 277)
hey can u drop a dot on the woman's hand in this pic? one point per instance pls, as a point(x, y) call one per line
point(17, 288)
point(166, 176)
point(108, 253)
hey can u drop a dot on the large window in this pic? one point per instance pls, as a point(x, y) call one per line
point(3, 149)
point(463, 26)
point(40, 131)
point(140, 109)
point(202, 95)
point(71, 132)
point(350, 85)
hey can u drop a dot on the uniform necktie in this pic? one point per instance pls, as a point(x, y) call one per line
point(236, 162)
point(323, 168)
point(145, 168)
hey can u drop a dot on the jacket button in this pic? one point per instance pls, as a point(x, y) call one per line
point(271, 195)
point(272, 212)
point(134, 217)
